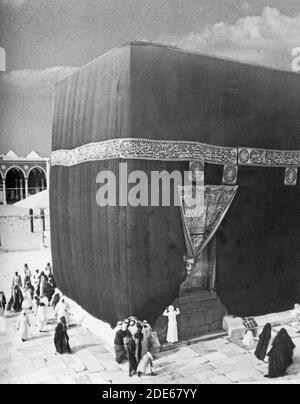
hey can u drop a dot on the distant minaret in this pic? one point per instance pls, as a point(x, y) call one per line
point(2, 60)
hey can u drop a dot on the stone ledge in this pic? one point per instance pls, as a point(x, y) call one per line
point(209, 337)
point(197, 296)
point(97, 327)
point(194, 327)
point(234, 325)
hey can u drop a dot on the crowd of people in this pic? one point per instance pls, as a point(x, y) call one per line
point(30, 298)
point(136, 342)
point(35, 288)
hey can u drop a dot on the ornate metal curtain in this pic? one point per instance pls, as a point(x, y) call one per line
point(203, 209)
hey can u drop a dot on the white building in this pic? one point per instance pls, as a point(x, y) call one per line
point(22, 176)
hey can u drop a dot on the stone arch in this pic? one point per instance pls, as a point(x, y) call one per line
point(15, 184)
point(37, 180)
point(17, 168)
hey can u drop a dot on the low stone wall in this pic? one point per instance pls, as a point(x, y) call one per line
point(15, 231)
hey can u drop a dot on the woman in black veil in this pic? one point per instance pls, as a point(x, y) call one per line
point(263, 344)
point(17, 298)
point(61, 338)
point(2, 304)
point(281, 354)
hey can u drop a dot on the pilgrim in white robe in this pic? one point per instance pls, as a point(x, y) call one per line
point(62, 310)
point(296, 317)
point(27, 298)
point(145, 366)
point(41, 317)
point(249, 340)
point(172, 334)
point(23, 325)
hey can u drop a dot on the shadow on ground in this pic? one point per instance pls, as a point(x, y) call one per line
point(79, 348)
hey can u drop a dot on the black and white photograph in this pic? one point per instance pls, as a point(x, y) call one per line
point(149, 194)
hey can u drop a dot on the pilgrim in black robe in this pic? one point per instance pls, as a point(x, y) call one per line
point(55, 299)
point(17, 299)
point(263, 344)
point(138, 341)
point(131, 348)
point(48, 291)
point(2, 302)
point(281, 354)
point(61, 339)
point(120, 346)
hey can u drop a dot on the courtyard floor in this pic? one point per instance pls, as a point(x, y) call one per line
point(92, 362)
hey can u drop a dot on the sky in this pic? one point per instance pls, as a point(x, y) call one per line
point(38, 34)
point(47, 39)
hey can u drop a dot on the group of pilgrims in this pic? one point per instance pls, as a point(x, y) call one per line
point(36, 289)
point(136, 342)
point(31, 298)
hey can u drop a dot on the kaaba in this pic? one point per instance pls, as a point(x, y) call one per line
point(162, 108)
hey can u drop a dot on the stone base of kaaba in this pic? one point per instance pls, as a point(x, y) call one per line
point(201, 313)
